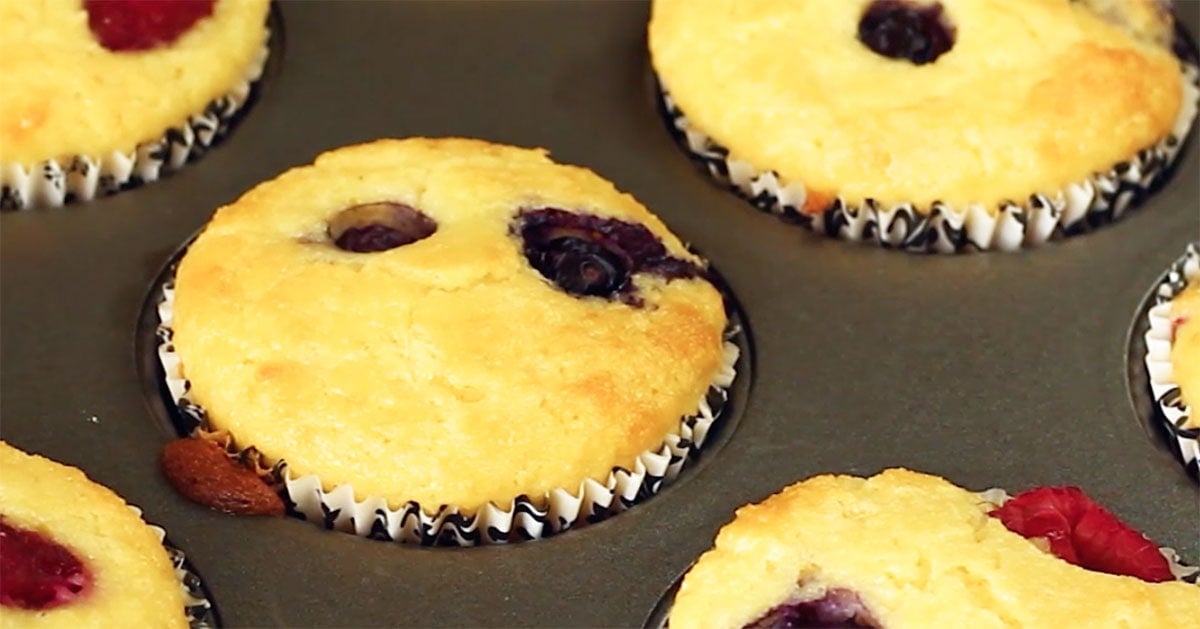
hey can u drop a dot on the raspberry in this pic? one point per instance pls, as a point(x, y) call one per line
point(37, 573)
point(128, 25)
point(1083, 533)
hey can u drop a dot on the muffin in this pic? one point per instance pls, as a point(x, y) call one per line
point(929, 126)
point(904, 549)
point(75, 555)
point(449, 341)
point(1173, 355)
point(100, 95)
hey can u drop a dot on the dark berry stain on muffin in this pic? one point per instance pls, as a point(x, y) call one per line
point(587, 255)
point(202, 472)
point(132, 25)
point(373, 227)
point(838, 608)
point(36, 572)
point(901, 29)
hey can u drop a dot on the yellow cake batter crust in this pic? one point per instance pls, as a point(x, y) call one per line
point(133, 581)
point(1033, 96)
point(447, 371)
point(63, 94)
point(919, 552)
point(1185, 350)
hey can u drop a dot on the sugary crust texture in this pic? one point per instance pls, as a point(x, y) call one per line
point(920, 552)
point(1185, 350)
point(1034, 95)
point(447, 371)
point(134, 583)
point(63, 94)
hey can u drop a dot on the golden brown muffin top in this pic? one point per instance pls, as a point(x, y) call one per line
point(919, 552)
point(133, 580)
point(63, 94)
point(1033, 95)
point(448, 370)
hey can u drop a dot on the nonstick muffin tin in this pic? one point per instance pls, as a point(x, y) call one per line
point(1009, 370)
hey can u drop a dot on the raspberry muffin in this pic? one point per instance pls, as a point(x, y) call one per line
point(98, 95)
point(930, 126)
point(904, 549)
point(449, 341)
point(73, 554)
point(1173, 355)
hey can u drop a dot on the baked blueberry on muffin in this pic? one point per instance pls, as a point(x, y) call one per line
point(98, 95)
point(449, 341)
point(73, 554)
point(928, 125)
point(904, 549)
point(1173, 355)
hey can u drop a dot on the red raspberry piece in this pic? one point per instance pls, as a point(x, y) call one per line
point(1175, 323)
point(1083, 533)
point(35, 572)
point(125, 25)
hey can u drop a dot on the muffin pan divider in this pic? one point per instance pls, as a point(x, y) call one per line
point(993, 370)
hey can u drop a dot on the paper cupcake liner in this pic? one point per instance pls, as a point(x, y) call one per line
point(942, 228)
point(1176, 417)
point(56, 182)
point(196, 606)
point(526, 518)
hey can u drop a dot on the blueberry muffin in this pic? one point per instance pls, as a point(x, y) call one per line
point(445, 322)
point(943, 126)
point(101, 94)
point(73, 554)
point(904, 549)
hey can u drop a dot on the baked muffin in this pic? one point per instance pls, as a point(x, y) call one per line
point(75, 555)
point(97, 95)
point(904, 549)
point(931, 126)
point(1173, 355)
point(450, 328)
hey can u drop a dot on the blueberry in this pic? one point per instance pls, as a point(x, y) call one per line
point(587, 255)
point(901, 29)
point(838, 608)
point(372, 227)
point(583, 267)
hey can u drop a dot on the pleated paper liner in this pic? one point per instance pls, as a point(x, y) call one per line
point(661, 614)
point(56, 182)
point(942, 228)
point(1176, 417)
point(526, 518)
point(199, 611)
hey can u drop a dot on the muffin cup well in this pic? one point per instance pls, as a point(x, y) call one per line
point(1179, 421)
point(942, 228)
point(525, 518)
point(56, 182)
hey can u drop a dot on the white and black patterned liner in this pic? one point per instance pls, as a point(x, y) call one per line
point(1077, 208)
point(199, 611)
point(56, 182)
point(523, 520)
point(1173, 413)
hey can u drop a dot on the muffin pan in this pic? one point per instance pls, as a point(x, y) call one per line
point(993, 370)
